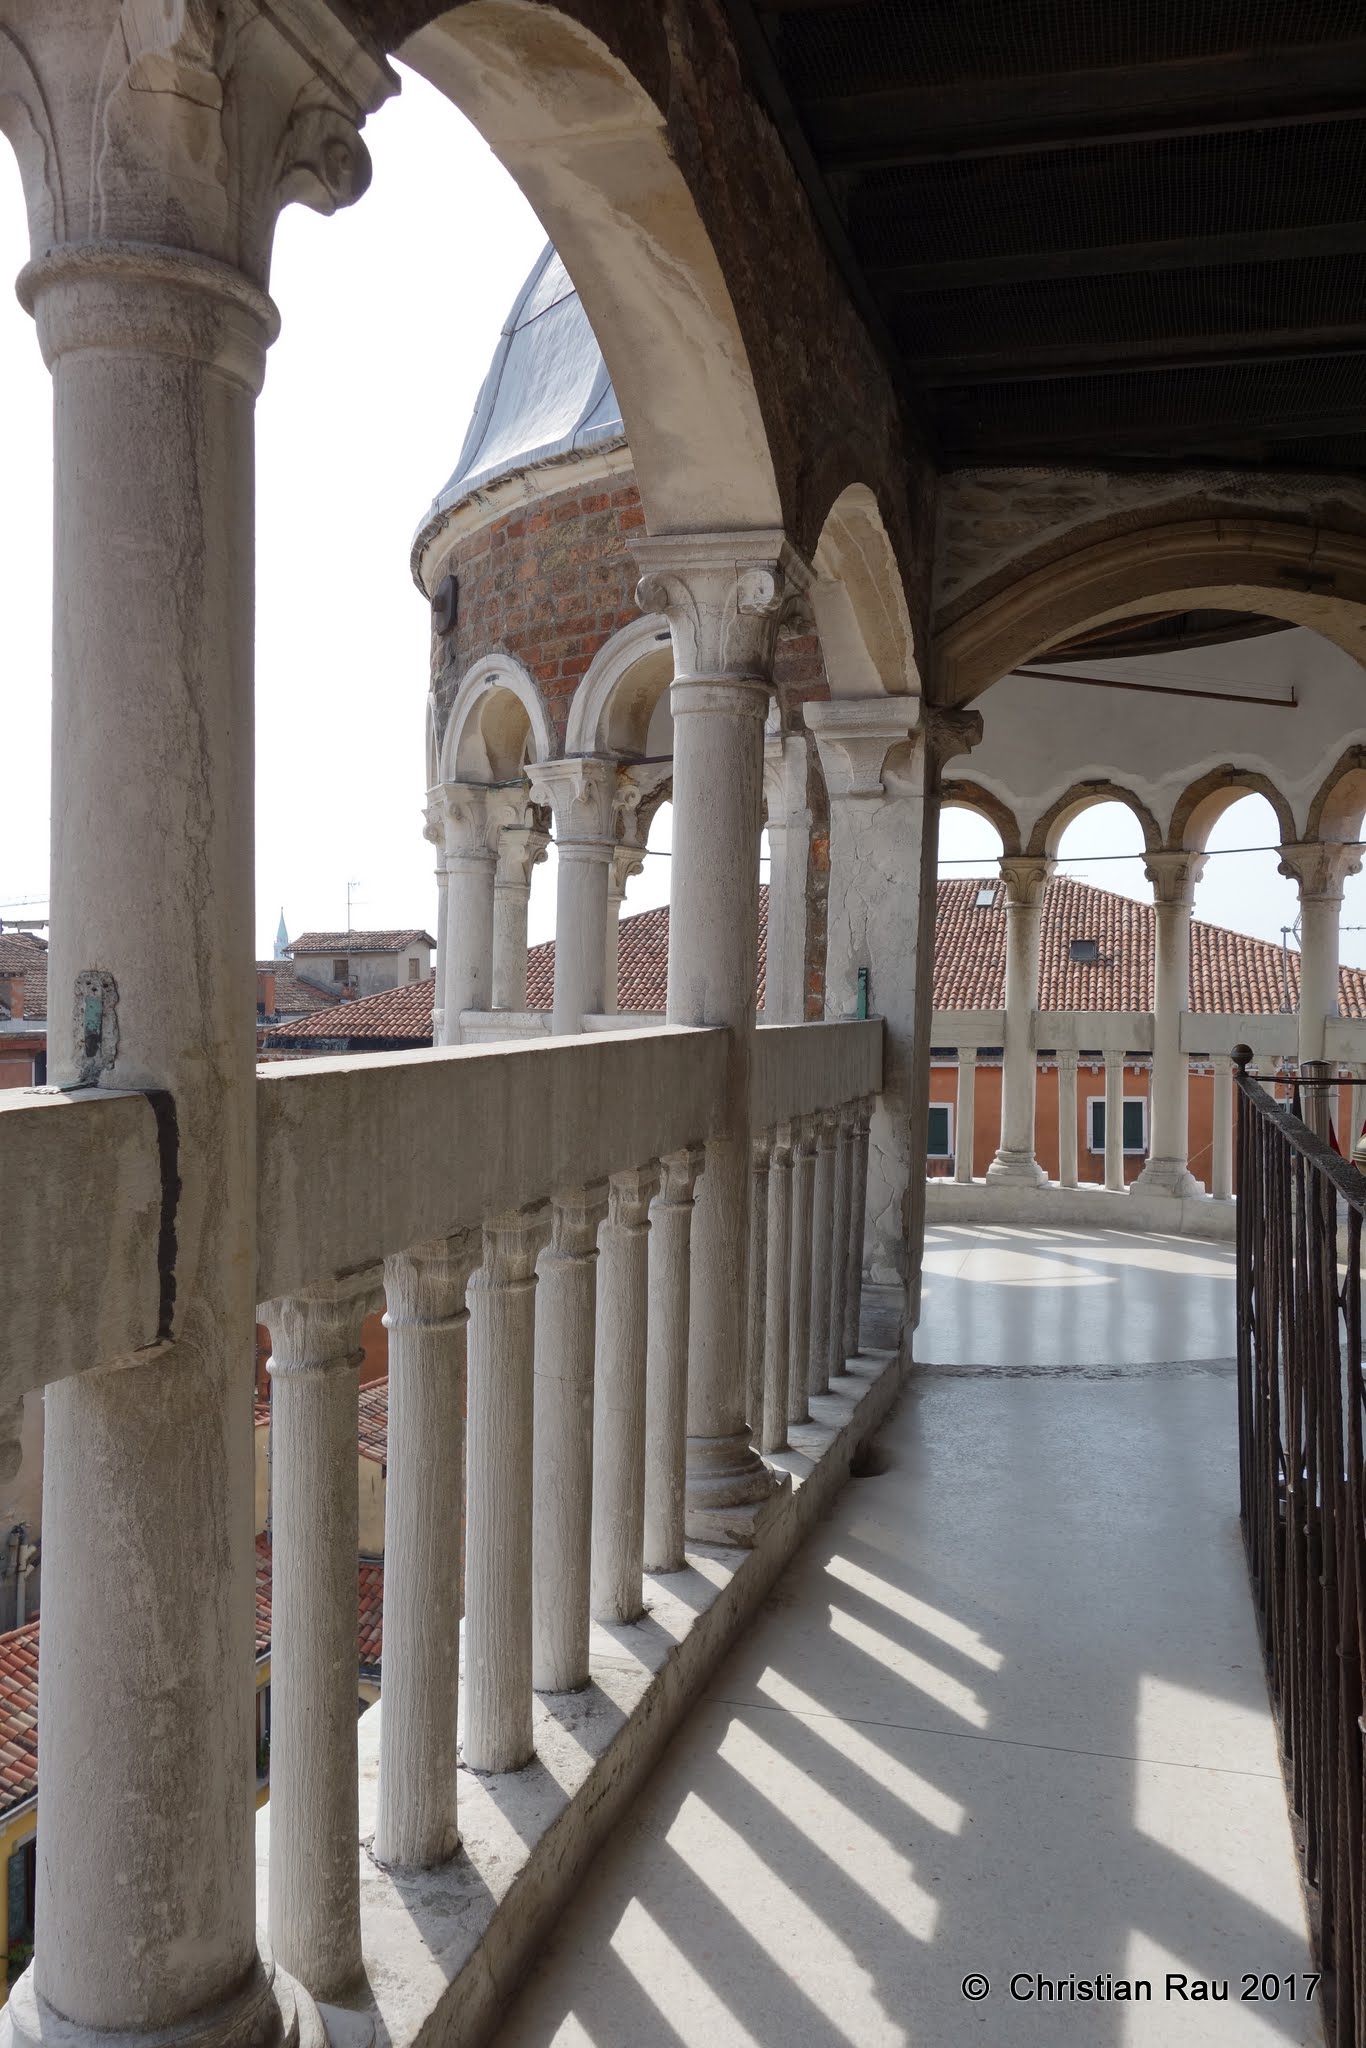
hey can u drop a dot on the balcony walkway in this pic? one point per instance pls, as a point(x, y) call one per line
point(1004, 1714)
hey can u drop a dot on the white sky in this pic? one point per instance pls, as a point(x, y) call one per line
point(390, 311)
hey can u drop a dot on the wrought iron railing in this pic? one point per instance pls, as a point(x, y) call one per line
point(1300, 1397)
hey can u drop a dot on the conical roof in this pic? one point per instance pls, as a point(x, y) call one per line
point(547, 391)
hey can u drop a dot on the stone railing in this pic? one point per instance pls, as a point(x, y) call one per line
point(1071, 1041)
point(528, 1205)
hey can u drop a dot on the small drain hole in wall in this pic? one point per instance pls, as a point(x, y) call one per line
point(870, 1461)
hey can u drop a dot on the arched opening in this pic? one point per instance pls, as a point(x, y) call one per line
point(621, 707)
point(860, 603)
point(589, 149)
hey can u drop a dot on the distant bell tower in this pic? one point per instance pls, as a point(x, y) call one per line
point(282, 938)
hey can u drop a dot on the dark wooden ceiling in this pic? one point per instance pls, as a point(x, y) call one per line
point(1121, 231)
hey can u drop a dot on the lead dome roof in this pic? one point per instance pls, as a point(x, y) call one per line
point(546, 393)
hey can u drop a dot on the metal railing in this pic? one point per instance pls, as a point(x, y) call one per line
point(1300, 1397)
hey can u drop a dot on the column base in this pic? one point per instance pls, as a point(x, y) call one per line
point(273, 2010)
point(1018, 1169)
point(730, 1491)
point(1167, 1177)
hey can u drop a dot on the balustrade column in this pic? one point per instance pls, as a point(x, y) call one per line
point(799, 1279)
point(841, 1213)
point(581, 792)
point(1026, 879)
point(151, 312)
point(666, 1360)
point(619, 1399)
point(965, 1118)
point(1067, 1117)
point(757, 1295)
point(1221, 1168)
point(1173, 876)
point(562, 1514)
point(858, 1193)
point(626, 862)
point(1114, 1121)
point(424, 1534)
point(520, 849)
point(498, 1495)
point(472, 825)
point(789, 840)
point(822, 1250)
point(721, 595)
point(315, 1633)
point(778, 1292)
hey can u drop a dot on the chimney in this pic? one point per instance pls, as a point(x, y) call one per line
point(16, 995)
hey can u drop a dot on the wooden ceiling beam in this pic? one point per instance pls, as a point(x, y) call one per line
point(1259, 245)
point(864, 132)
point(1218, 438)
point(1109, 358)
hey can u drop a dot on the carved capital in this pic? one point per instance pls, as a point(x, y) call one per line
point(473, 816)
point(520, 849)
point(512, 1243)
point(426, 1285)
point(950, 731)
point(722, 595)
point(678, 1176)
point(576, 1214)
point(857, 737)
point(629, 1195)
point(1174, 875)
point(1026, 876)
point(1320, 867)
point(319, 1328)
point(581, 791)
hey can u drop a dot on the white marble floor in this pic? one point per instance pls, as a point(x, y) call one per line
point(1004, 1716)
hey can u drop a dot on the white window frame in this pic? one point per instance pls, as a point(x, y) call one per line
point(947, 1108)
point(1130, 1151)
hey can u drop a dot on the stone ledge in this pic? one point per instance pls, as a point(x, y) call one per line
point(445, 1949)
point(1096, 1208)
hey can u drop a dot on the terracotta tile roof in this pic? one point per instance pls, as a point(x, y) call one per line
point(35, 992)
point(370, 1608)
point(374, 1421)
point(18, 1716)
point(20, 950)
point(359, 942)
point(295, 994)
point(1231, 973)
point(403, 1013)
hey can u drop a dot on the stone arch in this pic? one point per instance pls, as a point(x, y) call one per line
point(617, 704)
point(1340, 802)
point(590, 149)
point(1312, 576)
point(971, 796)
point(498, 723)
point(1199, 808)
point(1084, 796)
point(859, 601)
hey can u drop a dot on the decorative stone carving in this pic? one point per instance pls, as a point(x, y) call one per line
point(722, 595)
point(1174, 875)
point(1320, 867)
point(1026, 878)
point(581, 792)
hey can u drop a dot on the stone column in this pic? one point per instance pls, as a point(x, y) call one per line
point(757, 1293)
point(858, 1192)
point(498, 1511)
point(1114, 1121)
point(424, 1536)
point(1319, 869)
point(789, 840)
point(840, 1215)
point(965, 1120)
point(1221, 1165)
point(1167, 1172)
point(472, 825)
point(799, 1279)
point(521, 847)
point(721, 595)
point(822, 1252)
point(1025, 878)
point(434, 831)
point(581, 793)
point(778, 1292)
point(619, 1397)
point(666, 1361)
point(562, 1512)
point(626, 862)
point(148, 293)
point(314, 1634)
point(1067, 1117)
point(881, 758)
